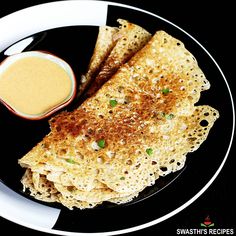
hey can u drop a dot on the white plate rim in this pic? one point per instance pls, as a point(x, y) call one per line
point(23, 14)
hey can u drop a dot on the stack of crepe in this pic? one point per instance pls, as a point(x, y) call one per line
point(137, 127)
point(113, 48)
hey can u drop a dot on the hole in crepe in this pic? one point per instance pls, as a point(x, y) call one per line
point(58, 128)
point(120, 89)
point(204, 123)
point(137, 166)
point(163, 168)
point(129, 162)
point(192, 139)
point(62, 151)
point(90, 131)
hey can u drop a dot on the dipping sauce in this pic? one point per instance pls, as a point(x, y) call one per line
point(35, 83)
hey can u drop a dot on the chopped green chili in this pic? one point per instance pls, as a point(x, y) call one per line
point(165, 91)
point(71, 161)
point(101, 143)
point(149, 151)
point(170, 116)
point(113, 102)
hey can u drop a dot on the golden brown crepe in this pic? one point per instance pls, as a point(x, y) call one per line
point(129, 39)
point(140, 125)
point(105, 43)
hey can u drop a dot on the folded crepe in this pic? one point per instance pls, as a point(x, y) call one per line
point(138, 126)
point(106, 40)
point(113, 48)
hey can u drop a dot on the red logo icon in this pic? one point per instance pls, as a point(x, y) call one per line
point(207, 223)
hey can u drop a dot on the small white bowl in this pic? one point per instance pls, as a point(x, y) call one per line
point(48, 56)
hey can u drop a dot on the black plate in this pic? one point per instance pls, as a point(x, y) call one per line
point(169, 195)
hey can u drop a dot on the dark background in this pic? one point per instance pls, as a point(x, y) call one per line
point(211, 23)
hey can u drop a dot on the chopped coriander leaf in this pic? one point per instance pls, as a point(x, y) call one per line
point(113, 102)
point(71, 161)
point(170, 116)
point(165, 91)
point(149, 151)
point(101, 143)
point(122, 178)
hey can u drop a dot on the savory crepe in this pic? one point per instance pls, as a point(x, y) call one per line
point(106, 41)
point(138, 126)
point(129, 39)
